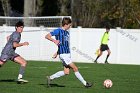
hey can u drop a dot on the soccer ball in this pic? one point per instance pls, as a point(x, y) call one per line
point(108, 83)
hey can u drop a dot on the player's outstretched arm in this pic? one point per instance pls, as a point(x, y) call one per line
point(15, 44)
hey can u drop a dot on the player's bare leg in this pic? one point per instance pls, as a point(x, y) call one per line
point(109, 52)
point(23, 63)
point(98, 56)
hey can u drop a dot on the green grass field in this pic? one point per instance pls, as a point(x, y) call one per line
point(126, 78)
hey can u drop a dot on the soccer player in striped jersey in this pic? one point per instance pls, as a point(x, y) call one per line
point(104, 45)
point(62, 41)
point(8, 53)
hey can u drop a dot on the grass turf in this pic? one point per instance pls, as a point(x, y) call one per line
point(126, 78)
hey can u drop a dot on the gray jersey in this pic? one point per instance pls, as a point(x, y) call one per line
point(9, 49)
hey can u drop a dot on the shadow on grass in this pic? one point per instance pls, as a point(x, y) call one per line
point(56, 85)
point(52, 85)
point(7, 80)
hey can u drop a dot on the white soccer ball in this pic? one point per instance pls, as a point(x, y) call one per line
point(108, 83)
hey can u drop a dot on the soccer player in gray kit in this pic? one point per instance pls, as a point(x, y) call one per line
point(8, 52)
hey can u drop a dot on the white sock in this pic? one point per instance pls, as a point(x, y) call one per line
point(57, 75)
point(21, 72)
point(79, 76)
point(19, 76)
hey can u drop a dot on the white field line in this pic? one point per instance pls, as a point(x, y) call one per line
point(47, 67)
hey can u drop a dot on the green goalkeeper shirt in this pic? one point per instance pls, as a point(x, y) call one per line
point(105, 38)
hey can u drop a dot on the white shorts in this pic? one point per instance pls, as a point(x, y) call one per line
point(66, 59)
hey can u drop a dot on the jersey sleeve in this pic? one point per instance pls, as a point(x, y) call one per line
point(55, 32)
point(16, 37)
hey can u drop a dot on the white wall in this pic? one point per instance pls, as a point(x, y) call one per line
point(124, 44)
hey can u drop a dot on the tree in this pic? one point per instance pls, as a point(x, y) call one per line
point(64, 7)
point(39, 7)
point(32, 8)
point(6, 7)
point(98, 13)
point(85, 13)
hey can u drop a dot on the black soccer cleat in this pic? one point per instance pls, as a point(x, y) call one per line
point(88, 85)
point(95, 61)
point(106, 62)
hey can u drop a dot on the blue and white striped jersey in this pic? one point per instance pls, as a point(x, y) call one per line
point(64, 37)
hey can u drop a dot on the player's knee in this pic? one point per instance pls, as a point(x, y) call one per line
point(24, 63)
point(1, 64)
